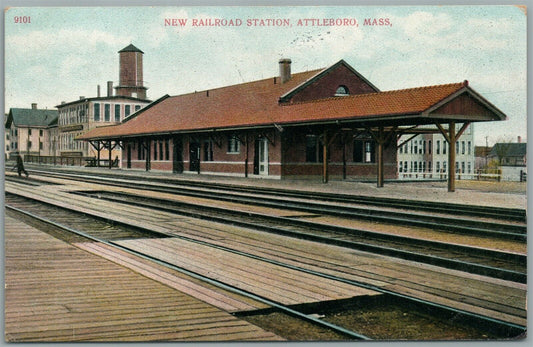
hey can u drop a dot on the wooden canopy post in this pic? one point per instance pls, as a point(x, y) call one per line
point(98, 144)
point(451, 157)
point(109, 148)
point(325, 173)
point(381, 140)
point(451, 137)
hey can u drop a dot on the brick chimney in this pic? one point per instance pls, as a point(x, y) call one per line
point(519, 139)
point(284, 70)
point(34, 106)
point(109, 88)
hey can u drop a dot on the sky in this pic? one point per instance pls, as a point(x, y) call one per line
point(55, 54)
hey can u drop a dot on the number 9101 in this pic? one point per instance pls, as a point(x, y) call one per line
point(22, 19)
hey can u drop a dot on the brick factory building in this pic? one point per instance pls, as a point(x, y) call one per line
point(317, 124)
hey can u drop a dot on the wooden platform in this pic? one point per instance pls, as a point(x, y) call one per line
point(57, 292)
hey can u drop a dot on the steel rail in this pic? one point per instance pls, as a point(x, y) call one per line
point(470, 227)
point(429, 206)
point(217, 283)
point(515, 329)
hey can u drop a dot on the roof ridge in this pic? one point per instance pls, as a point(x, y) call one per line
point(464, 84)
point(245, 83)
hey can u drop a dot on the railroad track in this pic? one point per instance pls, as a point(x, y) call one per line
point(502, 230)
point(507, 266)
point(453, 209)
point(109, 233)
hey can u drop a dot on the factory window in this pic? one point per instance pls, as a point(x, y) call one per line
point(429, 147)
point(469, 147)
point(234, 145)
point(463, 149)
point(40, 146)
point(117, 113)
point(29, 132)
point(456, 147)
point(40, 132)
point(364, 151)
point(405, 166)
point(342, 91)
point(444, 166)
point(438, 166)
point(444, 145)
point(127, 110)
point(96, 112)
point(107, 112)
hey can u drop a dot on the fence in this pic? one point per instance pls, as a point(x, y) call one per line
point(480, 175)
point(67, 161)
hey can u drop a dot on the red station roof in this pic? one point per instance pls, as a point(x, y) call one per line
point(255, 104)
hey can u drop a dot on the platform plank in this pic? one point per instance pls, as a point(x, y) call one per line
point(77, 296)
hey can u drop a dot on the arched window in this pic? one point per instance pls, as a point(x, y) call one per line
point(342, 91)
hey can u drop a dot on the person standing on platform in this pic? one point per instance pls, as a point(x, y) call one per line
point(20, 165)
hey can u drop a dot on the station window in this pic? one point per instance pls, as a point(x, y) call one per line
point(155, 149)
point(167, 150)
point(160, 150)
point(342, 91)
point(140, 151)
point(127, 110)
point(364, 151)
point(96, 112)
point(234, 145)
point(137, 108)
point(208, 150)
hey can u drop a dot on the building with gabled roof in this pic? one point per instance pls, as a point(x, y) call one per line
point(31, 131)
point(284, 127)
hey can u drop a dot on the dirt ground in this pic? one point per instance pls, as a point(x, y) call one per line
point(493, 186)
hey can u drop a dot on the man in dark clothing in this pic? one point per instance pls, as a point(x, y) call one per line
point(20, 165)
